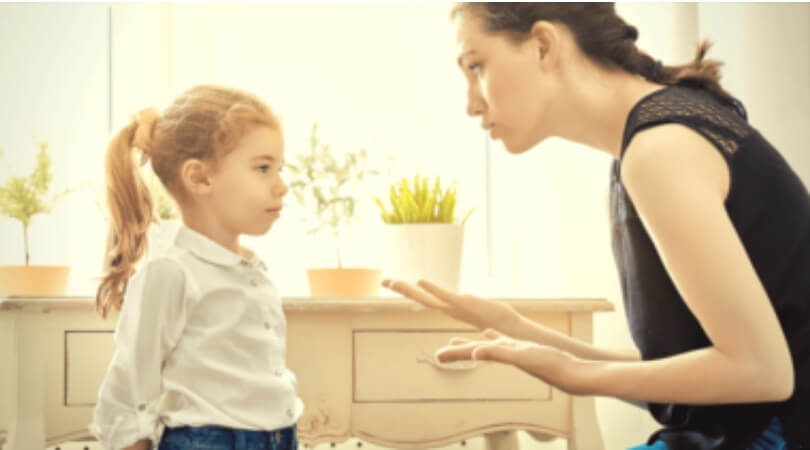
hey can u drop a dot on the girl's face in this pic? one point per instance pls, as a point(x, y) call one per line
point(247, 188)
point(509, 86)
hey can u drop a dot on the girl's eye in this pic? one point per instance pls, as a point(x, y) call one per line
point(474, 67)
point(263, 168)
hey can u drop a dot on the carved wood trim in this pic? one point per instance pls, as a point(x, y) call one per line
point(537, 432)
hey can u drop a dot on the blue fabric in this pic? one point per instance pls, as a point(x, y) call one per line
point(222, 438)
point(770, 439)
point(657, 445)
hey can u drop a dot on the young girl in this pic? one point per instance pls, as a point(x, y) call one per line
point(711, 228)
point(200, 341)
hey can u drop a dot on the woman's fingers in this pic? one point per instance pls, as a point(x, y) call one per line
point(498, 351)
point(489, 333)
point(456, 352)
point(461, 349)
point(459, 340)
point(439, 292)
point(413, 293)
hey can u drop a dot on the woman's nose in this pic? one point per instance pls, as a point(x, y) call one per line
point(475, 106)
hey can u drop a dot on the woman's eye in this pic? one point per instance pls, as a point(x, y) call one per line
point(263, 168)
point(474, 67)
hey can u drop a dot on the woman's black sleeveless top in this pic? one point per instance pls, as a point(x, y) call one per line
point(770, 209)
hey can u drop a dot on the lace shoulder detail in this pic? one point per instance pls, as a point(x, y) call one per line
point(722, 120)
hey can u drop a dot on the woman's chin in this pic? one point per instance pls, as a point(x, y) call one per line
point(514, 146)
point(518, 146)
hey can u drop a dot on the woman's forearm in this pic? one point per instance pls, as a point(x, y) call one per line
point(705, 376)
point(527, 330)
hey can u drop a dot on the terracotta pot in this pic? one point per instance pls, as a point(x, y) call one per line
point(46, 281)
point(344, 282)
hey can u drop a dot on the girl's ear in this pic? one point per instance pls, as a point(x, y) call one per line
point(194, 175)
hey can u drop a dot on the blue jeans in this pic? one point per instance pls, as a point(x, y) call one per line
point(222, 438)
point(770, 439)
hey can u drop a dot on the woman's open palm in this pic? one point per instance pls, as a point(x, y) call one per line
point(479, 312)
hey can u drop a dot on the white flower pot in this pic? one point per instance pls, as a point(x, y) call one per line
point(429, 251)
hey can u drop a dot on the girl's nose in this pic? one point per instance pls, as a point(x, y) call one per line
point(282, 189)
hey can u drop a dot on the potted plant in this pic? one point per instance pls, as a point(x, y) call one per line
point(22, 198)
point(327, 186)
point(425, 237)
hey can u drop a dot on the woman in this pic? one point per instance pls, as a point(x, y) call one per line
point(711, 228)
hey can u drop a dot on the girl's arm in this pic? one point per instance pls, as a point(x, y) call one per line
point(143, 444)
point(152, 319)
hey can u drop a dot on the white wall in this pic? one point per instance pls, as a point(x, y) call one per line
point(54, 88)
point(767, 65)
point(396, 96)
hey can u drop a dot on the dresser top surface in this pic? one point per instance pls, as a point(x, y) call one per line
point(47, 304)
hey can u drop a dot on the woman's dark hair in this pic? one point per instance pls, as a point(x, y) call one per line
point(601, 34)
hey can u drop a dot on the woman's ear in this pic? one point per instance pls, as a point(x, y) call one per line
point(194, 174)
point(545, 39)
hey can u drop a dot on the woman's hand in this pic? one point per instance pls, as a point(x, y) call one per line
point(549, 364)
point(476, 311)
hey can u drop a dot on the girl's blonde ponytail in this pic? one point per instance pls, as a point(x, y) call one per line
point(130, 206)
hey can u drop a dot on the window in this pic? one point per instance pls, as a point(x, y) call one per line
point(54, 86)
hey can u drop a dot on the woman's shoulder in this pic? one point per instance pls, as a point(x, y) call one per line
point(674, 153)
point(722, 120)
point(688, 101)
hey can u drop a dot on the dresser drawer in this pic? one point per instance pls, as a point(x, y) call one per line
point(399, 366)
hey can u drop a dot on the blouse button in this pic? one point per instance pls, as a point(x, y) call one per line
point(253, 283)
point(277, 372)
point(267, 325)
point(289, 413)
point(141, 407)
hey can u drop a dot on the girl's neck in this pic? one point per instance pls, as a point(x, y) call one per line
point(210, 226)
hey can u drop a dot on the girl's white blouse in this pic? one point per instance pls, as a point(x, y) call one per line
point(200, 341)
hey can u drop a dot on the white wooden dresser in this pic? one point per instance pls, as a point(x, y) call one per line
point(365, 369)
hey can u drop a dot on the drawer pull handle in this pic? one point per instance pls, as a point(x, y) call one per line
point(453, 366)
